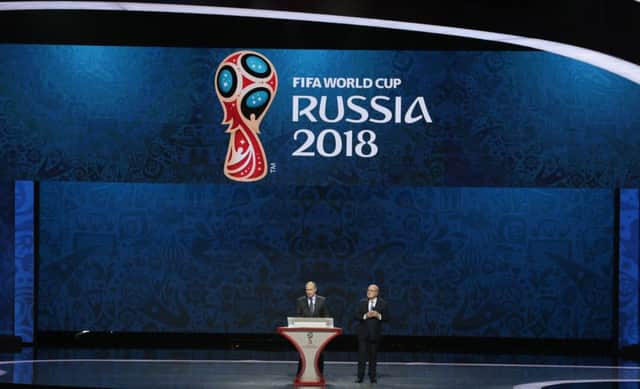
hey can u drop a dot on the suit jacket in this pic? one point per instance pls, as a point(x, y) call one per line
point(303, 310)
point(370, 328)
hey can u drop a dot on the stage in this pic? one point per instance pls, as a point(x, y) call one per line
point(259, 369)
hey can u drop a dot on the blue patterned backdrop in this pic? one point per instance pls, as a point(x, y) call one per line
point(144, 114)
point(24, 260)
point(6, 257)
point(232, 258)
point(629, 331)
point(464, 221)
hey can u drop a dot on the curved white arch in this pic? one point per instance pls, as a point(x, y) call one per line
point(541, 385)
point(610, 63)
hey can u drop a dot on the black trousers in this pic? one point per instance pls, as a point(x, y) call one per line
point(367, 352)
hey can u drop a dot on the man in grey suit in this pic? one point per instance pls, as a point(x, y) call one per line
point(312, 305)
point(370, 313)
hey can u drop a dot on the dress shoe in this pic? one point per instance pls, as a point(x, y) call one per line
point(359, 380)
point(374, 380)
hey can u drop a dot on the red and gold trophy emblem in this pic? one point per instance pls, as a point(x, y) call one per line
point(246, 83)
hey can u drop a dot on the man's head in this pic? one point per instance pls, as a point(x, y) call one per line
point(372, 291)
point(310, 289)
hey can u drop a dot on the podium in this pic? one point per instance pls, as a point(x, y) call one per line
point(309, 336)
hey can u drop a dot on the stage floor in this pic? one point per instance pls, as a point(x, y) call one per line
point(172, 369)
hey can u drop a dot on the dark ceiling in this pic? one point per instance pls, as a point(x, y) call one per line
point(612, 26)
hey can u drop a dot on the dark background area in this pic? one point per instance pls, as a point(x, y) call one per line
point(612, 27)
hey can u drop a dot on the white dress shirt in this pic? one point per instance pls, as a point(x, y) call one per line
point(372, 306)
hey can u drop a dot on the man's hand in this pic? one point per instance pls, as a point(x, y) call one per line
point(372, 314)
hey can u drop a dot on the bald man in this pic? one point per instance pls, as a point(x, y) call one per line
point(370, 314)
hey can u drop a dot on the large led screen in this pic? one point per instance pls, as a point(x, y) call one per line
point(497, 262)
point(315, 117)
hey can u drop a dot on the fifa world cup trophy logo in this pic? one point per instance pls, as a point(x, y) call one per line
point(246, 83)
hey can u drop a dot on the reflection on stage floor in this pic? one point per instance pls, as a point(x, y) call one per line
point(91, 368)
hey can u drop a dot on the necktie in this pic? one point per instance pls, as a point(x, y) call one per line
point(311, 305)
point(370, 305)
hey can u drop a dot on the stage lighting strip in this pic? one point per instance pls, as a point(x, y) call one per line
point(531, 385)
point(610, 63)
point(545, 384)
point(280, 362)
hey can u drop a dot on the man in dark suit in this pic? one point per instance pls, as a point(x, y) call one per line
point(370, 314)
point(312, 305)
